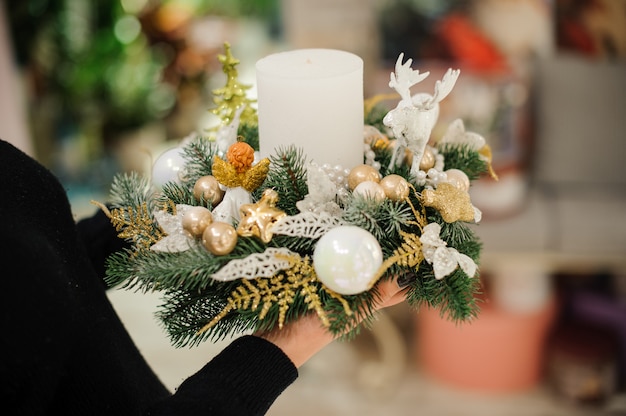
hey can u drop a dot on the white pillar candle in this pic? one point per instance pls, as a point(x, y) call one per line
point(313, 99)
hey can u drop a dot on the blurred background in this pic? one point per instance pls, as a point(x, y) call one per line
point(93, 88)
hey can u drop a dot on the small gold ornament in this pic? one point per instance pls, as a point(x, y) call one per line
point(371, 190)
point(373, 137)
point(207, 188)
point(485, 153)
point(258, 219)
point(395, 187)
point(219, 238)
point(362, 173)
point(452, 203)
point(428, 159)
point(196, 219)
point(458, 178)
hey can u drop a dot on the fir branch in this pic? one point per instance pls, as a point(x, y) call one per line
point(149, 270)
point(250, 134)
point(173, 192)
point(462, 157)
point(288, 177)
point(131, 190)
point(181, 312)
point(198, 155)
point(383, 220)
point(460, 236)
point(455, 296)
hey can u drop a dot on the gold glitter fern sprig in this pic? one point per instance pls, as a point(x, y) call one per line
point(133, 224)
point(281, 290)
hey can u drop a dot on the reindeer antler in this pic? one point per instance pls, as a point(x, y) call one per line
point(442, 88)
point(404, 78)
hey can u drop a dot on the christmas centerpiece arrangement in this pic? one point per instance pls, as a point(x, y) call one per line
point(303, 203)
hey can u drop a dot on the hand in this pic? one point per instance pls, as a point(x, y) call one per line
point(302, 339)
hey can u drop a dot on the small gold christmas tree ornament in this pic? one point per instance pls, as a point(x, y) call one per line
point(232, 96)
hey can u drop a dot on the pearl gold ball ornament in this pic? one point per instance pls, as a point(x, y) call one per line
point(428, 159)
point(219, 238)
point(395, 187)
point(346, 259)
point(207, 188)
point(362, 173)
point(196, 219)
point(370, 189)
point(458, 178)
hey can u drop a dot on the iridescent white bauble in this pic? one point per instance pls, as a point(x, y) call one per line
point(346, 259)
point(168, 167)
point(458, 178)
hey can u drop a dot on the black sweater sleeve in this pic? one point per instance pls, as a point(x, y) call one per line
point(66, 350)
point(244, 379)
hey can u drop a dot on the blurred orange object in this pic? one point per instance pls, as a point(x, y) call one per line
point(469, 46)
point(499, 352)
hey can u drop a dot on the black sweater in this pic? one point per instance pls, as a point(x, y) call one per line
point(64, 349)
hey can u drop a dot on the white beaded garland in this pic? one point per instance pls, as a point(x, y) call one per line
point(337, 174)
point(346, 259)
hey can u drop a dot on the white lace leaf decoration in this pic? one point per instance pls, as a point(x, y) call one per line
point(255, 265)
point(307, 224)
point(443, 259)
point(456, 134)
point(176, 239)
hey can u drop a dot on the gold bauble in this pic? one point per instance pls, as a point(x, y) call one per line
point(196, 219)
point(395, 187)
point(374, 138)
point(458, 178)
point(428, 159)
point(362, 173)
point(219, 238)
point(207, 188)
point(371, 134)
point(370, 190)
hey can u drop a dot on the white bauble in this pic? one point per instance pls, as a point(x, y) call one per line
point(168, 167)
point(346, 259)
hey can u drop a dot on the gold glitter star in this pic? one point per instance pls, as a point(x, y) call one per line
point(258, 219)
point(452, 203)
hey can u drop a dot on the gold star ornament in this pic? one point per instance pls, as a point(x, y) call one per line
point(258, 219)
point(452, 203)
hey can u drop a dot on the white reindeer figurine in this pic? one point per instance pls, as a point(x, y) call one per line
point(414, 117)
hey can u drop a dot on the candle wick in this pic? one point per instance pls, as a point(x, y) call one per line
point(308, 61)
